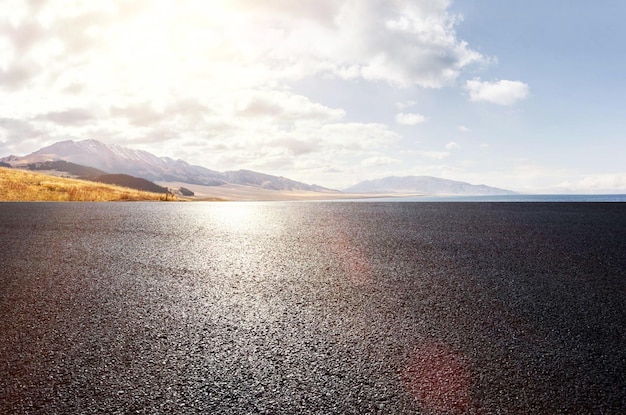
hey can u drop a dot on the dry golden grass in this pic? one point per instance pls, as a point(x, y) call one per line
point(22, 185)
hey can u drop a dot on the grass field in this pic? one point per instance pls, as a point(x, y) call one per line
point(21, 185)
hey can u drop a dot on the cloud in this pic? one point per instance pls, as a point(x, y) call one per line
point(142, 114)
point(296, 147)
point(464, 129)
point(410, 118)
point(402, 42)
point(22, 36)
point(260, 108)
point(433, 155)
point(120, 52)
point(284, 106)
point(67, 117)
point(607, 182)
point(405, 104)
point(379, 161)
point(17, 130)
point(452, 146)
point(500, 92)
point(260, 142)
point(356, 136)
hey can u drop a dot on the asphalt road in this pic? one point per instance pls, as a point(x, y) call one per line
point(312, 308)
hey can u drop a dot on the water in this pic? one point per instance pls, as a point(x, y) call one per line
point(518, 198)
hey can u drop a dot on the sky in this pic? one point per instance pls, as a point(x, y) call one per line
point(523, 95)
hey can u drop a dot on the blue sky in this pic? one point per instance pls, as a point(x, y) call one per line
point(522, 95)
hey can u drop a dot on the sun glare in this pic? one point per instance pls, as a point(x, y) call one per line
point(166, 46)
point(238, 217)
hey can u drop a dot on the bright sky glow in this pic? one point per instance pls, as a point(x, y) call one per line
point(522, 95)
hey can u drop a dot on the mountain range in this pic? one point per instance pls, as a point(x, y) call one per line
point(113, 158)
point(426, 185)
point(92, 158)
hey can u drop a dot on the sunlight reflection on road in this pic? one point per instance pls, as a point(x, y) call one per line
point(237, 217)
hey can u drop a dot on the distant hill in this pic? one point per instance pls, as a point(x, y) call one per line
point(426, 185)
point(132, 182)
point(92, 158)
point(72, 169)
point(266, 181)
point(112, 158)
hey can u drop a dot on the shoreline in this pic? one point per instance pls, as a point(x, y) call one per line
point(238, 193)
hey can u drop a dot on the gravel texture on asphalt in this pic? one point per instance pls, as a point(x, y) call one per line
point(313, 308)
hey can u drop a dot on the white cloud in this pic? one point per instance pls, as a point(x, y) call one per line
point(355, 136)
point(284, 106)
point(402, 42)
point(452, 146)
point(435, 155)
point(146, 51)
point(500, 92)
point(605, 183)
point(405, 104)
point(410, 118)
point(464, 129)
point(379, 161)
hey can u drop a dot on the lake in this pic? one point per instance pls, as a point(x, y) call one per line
point(313, 307)
point(516, 198)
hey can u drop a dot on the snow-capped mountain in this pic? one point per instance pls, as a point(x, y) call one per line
point(424, 185)
point(113, 158)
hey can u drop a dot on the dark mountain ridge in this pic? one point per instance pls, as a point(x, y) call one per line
point(129, 181)
point(71, 169)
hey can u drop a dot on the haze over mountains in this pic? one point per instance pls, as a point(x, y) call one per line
point(116, 159)
point(424, 185)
